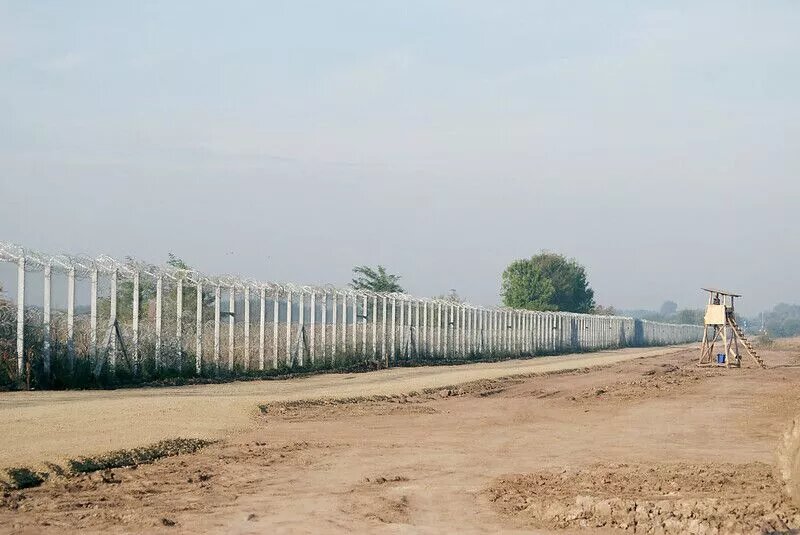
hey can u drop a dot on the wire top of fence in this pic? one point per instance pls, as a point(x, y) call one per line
point(84, 265)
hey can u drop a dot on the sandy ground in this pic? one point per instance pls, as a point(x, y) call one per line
point(648, 444)
point(40, 427)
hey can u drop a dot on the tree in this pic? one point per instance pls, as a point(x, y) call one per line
point(688, 317)
point(669, 308)
point(547, 281)
point(177, 263)
point(147, 295)
point(601, 310)
point(451, 296)
point(783, 320)
point(376, 280)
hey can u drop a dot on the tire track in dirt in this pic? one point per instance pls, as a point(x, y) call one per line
point(41, 427)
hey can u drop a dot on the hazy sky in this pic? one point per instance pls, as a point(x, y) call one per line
point(656, 142)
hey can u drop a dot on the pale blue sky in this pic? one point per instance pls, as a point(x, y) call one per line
point(293, 140)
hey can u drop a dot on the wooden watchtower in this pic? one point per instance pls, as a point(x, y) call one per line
point(720, 324)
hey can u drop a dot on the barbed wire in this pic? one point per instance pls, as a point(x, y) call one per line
point(84, 266)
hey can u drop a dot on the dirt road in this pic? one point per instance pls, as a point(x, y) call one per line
point(644, 445)
point(40, 427)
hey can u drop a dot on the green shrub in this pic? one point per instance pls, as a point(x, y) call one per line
point(24, 478)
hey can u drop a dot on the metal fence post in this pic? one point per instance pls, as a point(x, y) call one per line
point(159, 295)
point(384, 355)
point(289, 328)
point(46, 318)
point(198, 334)
point(134, 321)
point(355, 323)
point(313, 326)
point(324, 321)
point(71, 317)
point(179, 319)
point(301, 322)
point(112, 319)
point(275, 329)
point(375, 326)
point(21, 316)
point(335, 345)
point(344, 323)
point(246, 297)
point(416, 328)
point(231, 326)
point(394, 327)
point(262, 318)
point(93, 315)
point(364, 332)
point(217, 320)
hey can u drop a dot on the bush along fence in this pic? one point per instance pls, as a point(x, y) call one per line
point(141, 322)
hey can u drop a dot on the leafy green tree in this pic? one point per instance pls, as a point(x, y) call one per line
point(547, 281)
point(177, 263)
point(376, 280)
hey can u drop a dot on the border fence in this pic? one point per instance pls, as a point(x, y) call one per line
point(142, 322)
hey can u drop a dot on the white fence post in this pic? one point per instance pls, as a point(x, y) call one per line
point(375, 326)
point(93, 315)
point(217, 321)
point(490, 320)
point(246, 363)
point(344, 323)
point(276, 310)
point(424, 337)
point(402, 326)
point(335, 345)
point(112, 319)
point(301, 321)
point(179, 319)
point(134, 315)
point(394, 328)
point(450, 325)
point(313, 326)
point(364, 332)
point(416, 328)
point(355, 323)
point(198, 333)
point(324, 320)
point(71, 317)
point(457, 328)
point(440, 329)
point(262, 326)
point(384, 355)
point(21, 316)
point(159, 295)
point(408, 330)
point(231, 326)
point(46, 318)
point(289, 328)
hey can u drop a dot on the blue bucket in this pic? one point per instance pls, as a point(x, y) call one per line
point(720, 358)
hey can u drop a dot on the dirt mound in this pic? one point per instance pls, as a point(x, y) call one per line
point(655, 381)
point(789, 461)
point(673, 498)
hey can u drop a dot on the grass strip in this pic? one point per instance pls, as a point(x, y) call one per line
point(23, 477)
